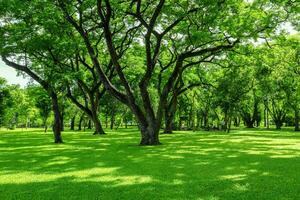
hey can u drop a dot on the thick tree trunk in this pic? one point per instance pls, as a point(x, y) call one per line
point(297, 119)
point(57, 118)
point(150, 134)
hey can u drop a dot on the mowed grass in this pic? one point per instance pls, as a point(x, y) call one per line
point(245, 164)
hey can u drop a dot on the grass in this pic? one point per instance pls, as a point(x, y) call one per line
point(245, 164)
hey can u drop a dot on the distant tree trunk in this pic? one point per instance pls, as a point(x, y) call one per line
point(278, 119)
point(205, 120)
point(72, 124)
point(62, 127)
point(278, 125)
point(106, 118)
point(80, 122)
point(180, 123)
point(229, 125)
point(236, 122)
point(297, 118)
point(225, 121)
point(170, 112)
point(249, 122)
point(45, 124)
point(125, 122)
point(112, 119)
point(168, 129)
point(57, 118)
point(199, 120)
point(89, 124)
point(266, 114)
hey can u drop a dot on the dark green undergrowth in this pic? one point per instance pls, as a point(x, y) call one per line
point(245, 164)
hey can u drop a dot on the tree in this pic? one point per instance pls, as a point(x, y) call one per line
point(42, 102)
point(19, 47)
point(4, 96)
point(163, 26)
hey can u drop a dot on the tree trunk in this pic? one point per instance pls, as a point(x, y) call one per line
point(112, 119)
point(57, 118)
point(106, 118)
point(297, 118)
point(45, 125)
point(278, 125)
point(80, 122)
point(89, 124)
point(170, 112)
point(205, 120)
point(266, 114)
point(62, 124)
point(168, 125)
point(98, 127)
point(72, 124)
point(229, 125)
point(150, 134)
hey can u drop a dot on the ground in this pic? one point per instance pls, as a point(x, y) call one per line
point(245, 164)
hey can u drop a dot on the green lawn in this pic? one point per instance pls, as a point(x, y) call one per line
point(245, 164)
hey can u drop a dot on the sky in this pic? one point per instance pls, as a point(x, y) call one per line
point(11, 76)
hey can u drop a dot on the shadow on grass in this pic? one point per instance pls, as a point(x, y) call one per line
point(247, 164)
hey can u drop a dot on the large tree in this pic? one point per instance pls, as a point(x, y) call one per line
point(192, 29)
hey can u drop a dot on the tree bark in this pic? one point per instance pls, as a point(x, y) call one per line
point(170, 112)
point(112, 119)
point(80, 122)
point(149, 133)
point(89, 124)
point(72, 124)
point(168, 125)
point(57, 118)
point(98, 127)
